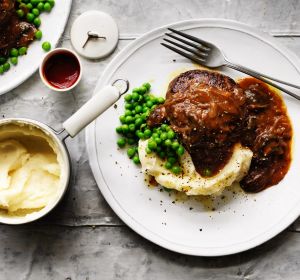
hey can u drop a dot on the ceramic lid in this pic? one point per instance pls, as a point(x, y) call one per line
point(94, 34)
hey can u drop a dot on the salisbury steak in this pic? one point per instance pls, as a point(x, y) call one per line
point(207, 111)
point(14, 32)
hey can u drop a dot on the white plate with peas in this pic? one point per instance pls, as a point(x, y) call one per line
point(202, 226)
point(50, 18)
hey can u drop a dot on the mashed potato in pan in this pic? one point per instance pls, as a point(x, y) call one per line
point(190, 180)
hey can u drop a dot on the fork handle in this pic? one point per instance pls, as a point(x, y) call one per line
point(264, 78)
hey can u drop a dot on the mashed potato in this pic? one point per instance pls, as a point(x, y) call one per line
point(190, 181)
point(30, 169)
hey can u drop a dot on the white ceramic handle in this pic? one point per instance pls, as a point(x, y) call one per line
point(101, 101)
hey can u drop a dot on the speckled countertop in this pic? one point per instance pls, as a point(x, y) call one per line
point(83, 238)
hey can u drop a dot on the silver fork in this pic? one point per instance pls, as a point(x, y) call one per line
point(209, 55)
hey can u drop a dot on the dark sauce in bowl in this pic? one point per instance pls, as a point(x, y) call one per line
point(62, 70)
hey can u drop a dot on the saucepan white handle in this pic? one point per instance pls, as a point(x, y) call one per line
point(101, 101)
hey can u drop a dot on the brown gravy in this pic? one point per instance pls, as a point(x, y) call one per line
point(268, 133)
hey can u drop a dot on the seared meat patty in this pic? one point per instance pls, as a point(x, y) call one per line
point(207, 111)
point(14, 33)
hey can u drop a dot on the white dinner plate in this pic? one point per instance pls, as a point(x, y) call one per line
point(238, 221)
point(53, 25)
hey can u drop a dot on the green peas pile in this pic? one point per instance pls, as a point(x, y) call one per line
point(30, 10)
point(27, 10)
point(162, 140)
point(164, 143)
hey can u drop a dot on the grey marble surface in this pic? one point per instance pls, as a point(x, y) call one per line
point(83, 238)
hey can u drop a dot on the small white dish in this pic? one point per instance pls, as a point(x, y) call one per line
point(50, 55)
point(101, 25)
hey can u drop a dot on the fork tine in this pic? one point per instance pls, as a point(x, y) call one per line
point(198, 53)
point(193, 38)
point(191, 57)
point(197, 46)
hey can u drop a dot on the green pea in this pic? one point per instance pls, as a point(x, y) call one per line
point(40, 6)
point(121, 142)
point(172, 160)
point(30, 17)
point(168, 143)
point(160, 100)
point(149, 104)
point(128, 113)
point(157, 140)
point(47, 7)
point(38, 35)
point(147, 98)
point(128, 106)
point(142, 90)
point(6, 66)
point(144, 116)
point(2, 60)
point(22, 51)
point(129, 119)
point(164, 127)
point(138, 122)
point(139, 109)
point(125, 128)
point(168, 165)
point(207, 172)
point(14, 52)
point(128, 97)
point(152, 144)
point(122, 118)
point(175, 145)
point(153, 99)
point(119, 129)
point(147, 133)
point(145, 109)
point(180, 150)
point(148, 151)
point(20, 13)
point(176, 169)
point(147, 86)
point(131, 152)
point(140, 134)
point(171, 134)
point(14, 60)
point(46, 46)
point(131, 127)
point(164, 136)
point(29, 6)
point(135, 96)
point(155, 135)
point(1, 69)
point(35, 11)
point(136, 160)
point(51, 2)
point(37, 22)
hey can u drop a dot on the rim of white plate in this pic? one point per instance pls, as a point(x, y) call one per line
point(92, 147)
